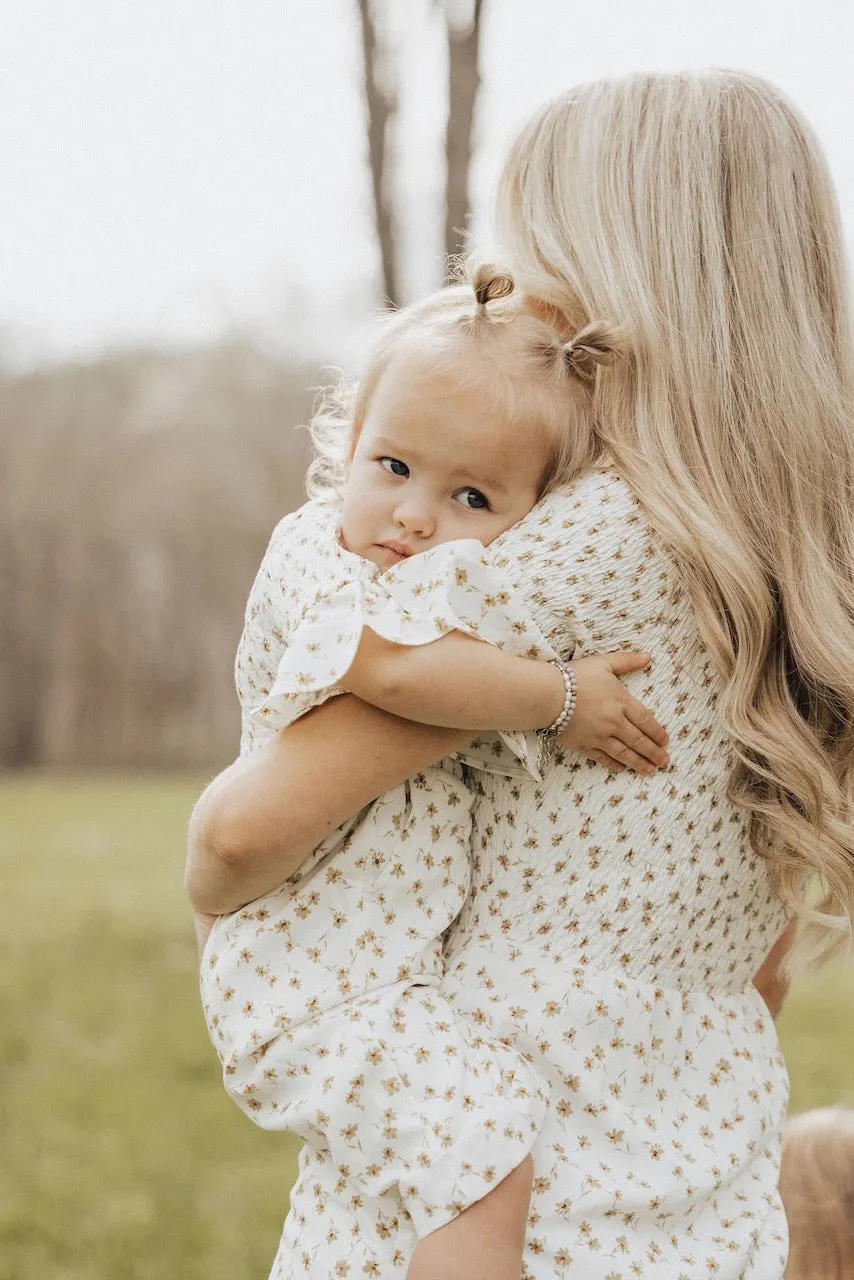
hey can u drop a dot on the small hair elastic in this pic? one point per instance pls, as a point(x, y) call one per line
point(594, 345)
point(574, 356)
point(490, 284)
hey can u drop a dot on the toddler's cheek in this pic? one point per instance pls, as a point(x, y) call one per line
point(352, 533)
point(346, 540)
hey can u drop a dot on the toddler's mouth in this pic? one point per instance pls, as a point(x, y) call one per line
point(398, 548)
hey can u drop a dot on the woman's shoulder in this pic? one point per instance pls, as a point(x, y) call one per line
point(601, 495)
point(307, 522)
point(586, 560)
point(593, 515)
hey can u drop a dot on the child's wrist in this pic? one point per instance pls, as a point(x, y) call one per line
point(570, 697)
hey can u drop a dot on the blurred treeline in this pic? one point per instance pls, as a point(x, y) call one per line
point(138, 494)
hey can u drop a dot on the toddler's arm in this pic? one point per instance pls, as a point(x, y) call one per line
point(456, 681)
point(459, 682)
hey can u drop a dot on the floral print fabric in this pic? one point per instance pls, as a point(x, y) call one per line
point(610, 936)
point(612, 932)
point(453, 587)
point(321, 997)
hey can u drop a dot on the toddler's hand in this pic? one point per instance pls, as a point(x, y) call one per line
point(608, 724)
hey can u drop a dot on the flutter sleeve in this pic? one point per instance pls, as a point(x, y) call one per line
point(303, 561)
point(453, 587)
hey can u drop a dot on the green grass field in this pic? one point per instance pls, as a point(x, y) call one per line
point(122, 1157)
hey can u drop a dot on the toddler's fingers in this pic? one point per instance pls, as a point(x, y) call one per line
point(628, 757)
point(623, 661)
point(607, 762)
point(638, 742)
point(637, 714)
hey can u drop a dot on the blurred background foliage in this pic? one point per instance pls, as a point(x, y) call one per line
point(137, 494)
point(138, 490)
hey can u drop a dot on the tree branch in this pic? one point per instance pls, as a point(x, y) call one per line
point(463, 86)
point(381, 106)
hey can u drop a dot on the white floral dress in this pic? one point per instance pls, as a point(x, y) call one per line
point(321, 998)
point(611, 934)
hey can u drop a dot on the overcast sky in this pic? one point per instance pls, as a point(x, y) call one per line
point(175, 168)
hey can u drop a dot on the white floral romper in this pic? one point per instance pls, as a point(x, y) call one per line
point(321, 997)
point(612, 930)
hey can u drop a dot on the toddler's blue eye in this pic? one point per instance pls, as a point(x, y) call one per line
point(473, 499)
point(395, 466)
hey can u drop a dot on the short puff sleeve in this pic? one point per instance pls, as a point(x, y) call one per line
point(452, 587)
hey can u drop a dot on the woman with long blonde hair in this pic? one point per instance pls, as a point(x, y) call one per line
point(616, 922)
point(698, 213)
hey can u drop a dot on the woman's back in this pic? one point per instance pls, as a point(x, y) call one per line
point(659, 879)
point(694, 211)
point(614, 928)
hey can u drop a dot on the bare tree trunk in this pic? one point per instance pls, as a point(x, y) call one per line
point(463, 85)
point(381, 102)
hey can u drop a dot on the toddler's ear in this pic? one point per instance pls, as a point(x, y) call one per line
point(352, 446)
point(548, 312)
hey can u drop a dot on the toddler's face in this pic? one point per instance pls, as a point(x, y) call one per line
point(433, 463)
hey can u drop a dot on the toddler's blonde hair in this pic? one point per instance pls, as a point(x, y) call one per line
point(696, 212)
point(478, 333)
point(817, 1188)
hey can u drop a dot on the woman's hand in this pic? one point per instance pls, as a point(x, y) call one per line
point(608, 724)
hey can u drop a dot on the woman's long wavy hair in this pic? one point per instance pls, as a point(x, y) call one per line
point(695, 212)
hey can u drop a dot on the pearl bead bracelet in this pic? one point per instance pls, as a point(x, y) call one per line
point(569, 699)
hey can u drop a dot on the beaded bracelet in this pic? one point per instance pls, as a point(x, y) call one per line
point(569, 700)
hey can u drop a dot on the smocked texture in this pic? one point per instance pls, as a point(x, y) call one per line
point(609, 938)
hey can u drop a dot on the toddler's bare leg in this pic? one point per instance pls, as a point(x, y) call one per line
point(486, 1241)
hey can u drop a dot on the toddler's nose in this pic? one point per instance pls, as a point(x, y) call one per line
point(416, 518)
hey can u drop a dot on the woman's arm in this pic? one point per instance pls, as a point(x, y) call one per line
point(262, 816)
point(203, 922)
point(259, 819)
